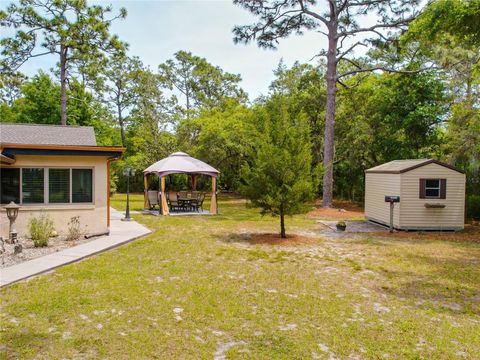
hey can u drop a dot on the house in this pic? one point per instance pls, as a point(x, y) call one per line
point(432, 195)
point(56, 170)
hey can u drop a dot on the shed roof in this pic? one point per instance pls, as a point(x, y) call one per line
point(181, 163)
point(401, 166)
point(34, 134)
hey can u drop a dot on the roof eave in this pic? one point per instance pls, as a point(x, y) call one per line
point(63, 147)
point(431, 161)
point(6, 160)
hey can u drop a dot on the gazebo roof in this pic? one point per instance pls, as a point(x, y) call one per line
point(180, 163)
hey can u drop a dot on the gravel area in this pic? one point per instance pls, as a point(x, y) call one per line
point(30, 252)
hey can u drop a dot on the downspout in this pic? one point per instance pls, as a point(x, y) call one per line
point(109, 160)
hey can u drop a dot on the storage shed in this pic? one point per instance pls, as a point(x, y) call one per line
point(432, 195)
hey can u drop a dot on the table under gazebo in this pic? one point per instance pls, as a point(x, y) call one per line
point(178, 163)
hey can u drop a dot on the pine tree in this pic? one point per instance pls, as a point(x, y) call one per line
point(71, 29)
point(279, 177)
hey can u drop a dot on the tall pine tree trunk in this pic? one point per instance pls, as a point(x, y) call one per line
point(328, 144)
point(283, 234)
point(63, 85)
point(120, 121)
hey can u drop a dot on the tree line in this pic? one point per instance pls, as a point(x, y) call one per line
point(415, 93)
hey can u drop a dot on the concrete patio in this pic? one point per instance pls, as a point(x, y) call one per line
point(121, 232)
point(174, 213)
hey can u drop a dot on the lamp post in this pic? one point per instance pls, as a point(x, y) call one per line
point(128, 171)
point(12, 213)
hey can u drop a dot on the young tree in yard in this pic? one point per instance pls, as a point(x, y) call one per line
point(279, 178)
point(75, 32)
point(341, 21)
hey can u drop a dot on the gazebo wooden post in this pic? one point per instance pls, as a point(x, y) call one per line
point(145, 191)
point(213, 204)
point(163, 198)
point(194, 182)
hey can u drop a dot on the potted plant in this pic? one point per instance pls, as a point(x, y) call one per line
point(341, 226)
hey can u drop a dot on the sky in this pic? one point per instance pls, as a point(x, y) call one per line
point(156, 29)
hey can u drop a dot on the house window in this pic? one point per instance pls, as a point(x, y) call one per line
point(82, 185)
point(9, 185)
point(33, 186)
point(46, 185)
point(433, 188)
point(58, 186)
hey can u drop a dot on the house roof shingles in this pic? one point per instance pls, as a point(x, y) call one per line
point(47, 135)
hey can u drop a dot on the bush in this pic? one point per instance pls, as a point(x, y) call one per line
point(74, 231)
point(41, 230)
point(473, 207)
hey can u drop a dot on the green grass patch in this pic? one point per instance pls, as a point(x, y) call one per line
point(195, 287)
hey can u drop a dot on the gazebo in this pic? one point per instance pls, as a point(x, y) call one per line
point(179, 163)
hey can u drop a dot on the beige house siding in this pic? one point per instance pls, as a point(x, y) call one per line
point(93, 217)
point(376, 187)
point(414, 214)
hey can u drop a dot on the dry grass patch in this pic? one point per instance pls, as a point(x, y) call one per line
point(341, 210)
point(470, 233)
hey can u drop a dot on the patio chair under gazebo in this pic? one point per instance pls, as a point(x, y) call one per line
point(179, 163)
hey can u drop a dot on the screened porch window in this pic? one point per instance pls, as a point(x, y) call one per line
point(81, 185)
point(59, 186)
point(9, 185)
point(33, 186)
point(46, 185)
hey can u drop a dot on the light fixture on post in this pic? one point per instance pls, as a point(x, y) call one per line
point(12, 213)
point(128, 171)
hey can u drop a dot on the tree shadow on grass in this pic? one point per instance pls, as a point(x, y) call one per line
point(231, 238)
point(17, 340)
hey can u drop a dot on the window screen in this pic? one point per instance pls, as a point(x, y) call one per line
point(82, 185)
point(32, 185)
point(59, 186)
point(10, 185)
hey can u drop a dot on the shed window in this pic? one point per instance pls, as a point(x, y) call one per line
point(433, 188)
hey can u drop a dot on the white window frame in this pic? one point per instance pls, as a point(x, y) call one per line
point(439, 188)
point(46, 188)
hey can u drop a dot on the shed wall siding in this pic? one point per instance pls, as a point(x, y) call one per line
point(376, 187)
point(93, 217)
point(414, 214)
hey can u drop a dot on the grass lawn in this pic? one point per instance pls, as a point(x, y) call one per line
point(196, 288)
